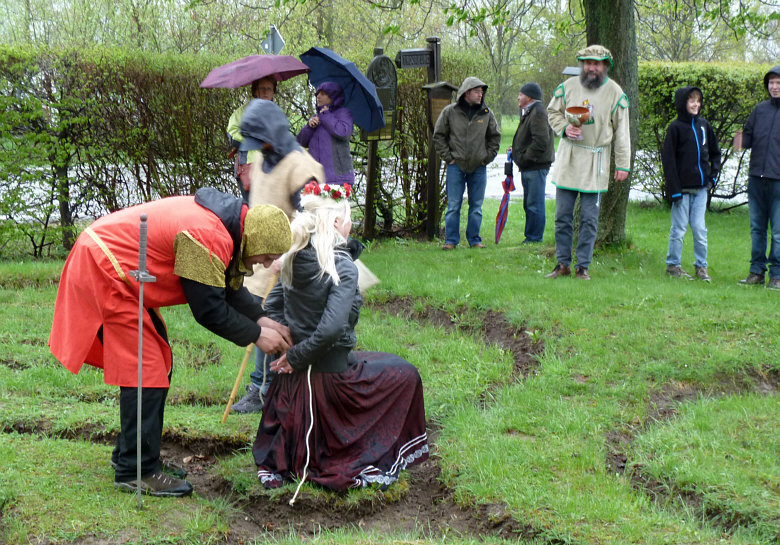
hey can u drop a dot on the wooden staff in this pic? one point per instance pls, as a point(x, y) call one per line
point(238, 382)
point(271, 285)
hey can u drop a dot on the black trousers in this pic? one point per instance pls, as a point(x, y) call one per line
point(124, 456)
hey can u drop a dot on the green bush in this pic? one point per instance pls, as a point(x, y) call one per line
point(95, 131)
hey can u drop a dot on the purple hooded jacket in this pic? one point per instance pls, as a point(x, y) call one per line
point(328, 143)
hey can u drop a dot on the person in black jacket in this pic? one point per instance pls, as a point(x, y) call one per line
point(364, 410)
point(533, 151)
point(761, 133)
point(691, 160)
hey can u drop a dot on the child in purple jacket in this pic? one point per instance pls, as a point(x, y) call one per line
point(327, 134)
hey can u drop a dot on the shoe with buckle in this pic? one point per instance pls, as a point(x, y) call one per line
point(448, 246)
point(753, 279)
point(677, 272)
point(559, 270)
point(701, 274)
point(581, 273)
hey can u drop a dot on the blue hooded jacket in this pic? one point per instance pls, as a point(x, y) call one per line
point(691, 155)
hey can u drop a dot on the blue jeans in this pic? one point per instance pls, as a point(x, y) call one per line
point(764, 204)
point(565, 200)
point(689, 210)
point(262, 365)
point(457, 182)
point(534, 182)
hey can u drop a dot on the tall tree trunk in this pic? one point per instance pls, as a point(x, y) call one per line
point(66, 211)
point(611, 24)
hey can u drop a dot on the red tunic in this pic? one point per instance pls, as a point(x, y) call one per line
point(96, 289)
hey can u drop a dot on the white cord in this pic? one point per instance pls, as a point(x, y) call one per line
point(265, 375)
point(308, 433)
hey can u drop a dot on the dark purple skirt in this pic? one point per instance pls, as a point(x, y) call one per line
point(369, 424)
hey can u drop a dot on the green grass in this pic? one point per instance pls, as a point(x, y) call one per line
point(616, 351)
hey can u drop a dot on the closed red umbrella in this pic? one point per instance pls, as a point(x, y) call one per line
point(509, 185)
point(244, 71)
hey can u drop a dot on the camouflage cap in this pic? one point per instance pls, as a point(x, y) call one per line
point(595, 52)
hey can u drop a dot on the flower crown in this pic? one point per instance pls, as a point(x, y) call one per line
point(336, 193)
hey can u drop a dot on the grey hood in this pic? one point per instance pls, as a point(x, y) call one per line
point(469, 83)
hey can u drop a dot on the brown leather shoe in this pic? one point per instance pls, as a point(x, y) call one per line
point(478, 245)
point(448, 247)
point(581, 273)
point(559, 270)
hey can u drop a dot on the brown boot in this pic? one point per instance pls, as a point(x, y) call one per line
point(157, 484)
point(581, 273)
point(559, 270)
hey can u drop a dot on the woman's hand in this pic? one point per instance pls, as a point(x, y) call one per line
point(282, 366)
point(314, 122)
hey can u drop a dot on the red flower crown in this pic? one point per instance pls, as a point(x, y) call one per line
point(336, 192)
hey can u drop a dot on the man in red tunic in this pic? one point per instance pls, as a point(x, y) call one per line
point(199, 248)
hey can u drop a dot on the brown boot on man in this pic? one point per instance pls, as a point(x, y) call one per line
point(559, 270)
point(158, 484)
point(581, 273)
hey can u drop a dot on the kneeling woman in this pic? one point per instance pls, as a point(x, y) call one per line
point(340, 418)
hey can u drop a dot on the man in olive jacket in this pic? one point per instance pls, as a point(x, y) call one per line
point(466, 137)
point(533, 151)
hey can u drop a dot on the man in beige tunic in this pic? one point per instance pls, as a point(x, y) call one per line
point(582, 162)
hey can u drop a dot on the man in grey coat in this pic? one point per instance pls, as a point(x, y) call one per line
point(466, 137)
point(533, 151)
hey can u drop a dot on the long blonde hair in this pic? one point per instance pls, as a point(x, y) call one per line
point(316, 223)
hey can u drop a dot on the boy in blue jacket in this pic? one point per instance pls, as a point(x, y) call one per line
point(691, 161)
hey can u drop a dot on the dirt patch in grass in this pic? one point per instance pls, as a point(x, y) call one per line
point(491, 326)
point(420, 505)
point(664, 405)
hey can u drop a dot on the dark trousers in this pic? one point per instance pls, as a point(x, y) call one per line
point(152, 410)
point(124, 456)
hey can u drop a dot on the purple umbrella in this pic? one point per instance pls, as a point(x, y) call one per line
point(509, 185)
point(244, 71)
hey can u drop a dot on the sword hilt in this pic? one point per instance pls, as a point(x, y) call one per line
point(142, 275)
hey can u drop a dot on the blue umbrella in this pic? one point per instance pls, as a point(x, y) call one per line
point(359, 93)
point(509, 185)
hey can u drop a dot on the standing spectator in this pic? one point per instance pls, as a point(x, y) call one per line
point(264, 88)
point(327, 134)
point(762, 134)
point(581, 167)
point(466, 137)
point(691, 159)
point(533, 151)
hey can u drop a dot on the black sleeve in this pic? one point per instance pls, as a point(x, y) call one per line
point(355, 248)
point(231, 315)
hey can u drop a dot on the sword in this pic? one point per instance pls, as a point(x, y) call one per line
point(141, 275)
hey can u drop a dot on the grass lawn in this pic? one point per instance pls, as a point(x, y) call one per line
point(650, 415)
